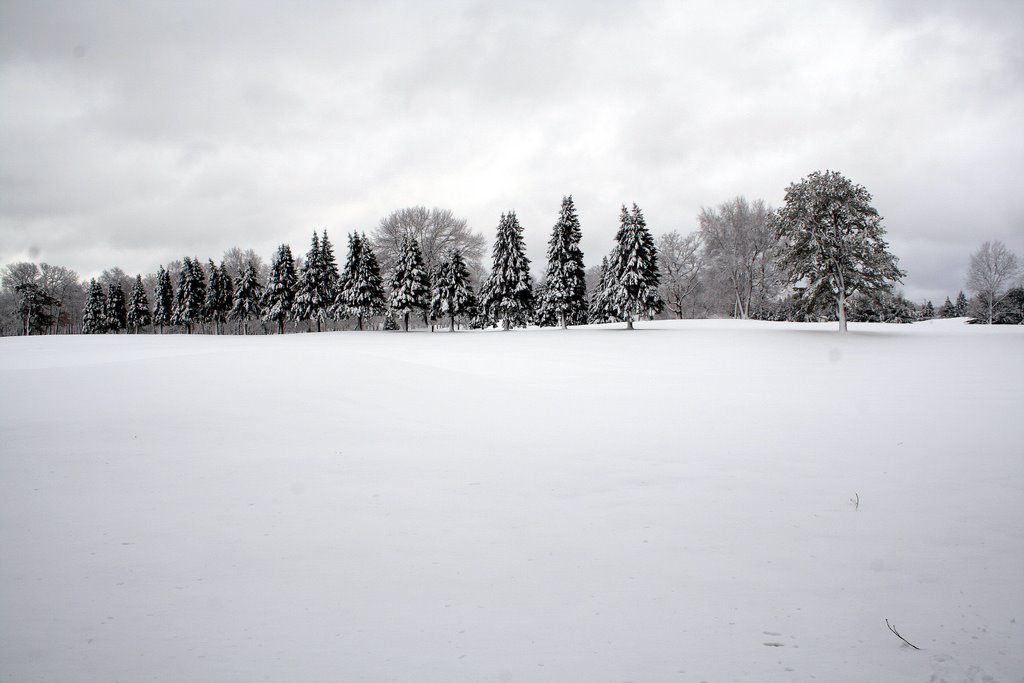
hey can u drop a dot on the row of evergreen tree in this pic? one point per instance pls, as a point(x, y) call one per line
point(317, 292)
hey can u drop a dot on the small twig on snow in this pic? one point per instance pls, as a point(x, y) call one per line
point(855, 501)
point(897, 634)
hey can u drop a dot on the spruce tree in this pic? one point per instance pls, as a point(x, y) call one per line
point(601, 308)
point(94, 317)
point(280, 292)
point(116, 308)
point(453, 295)
point(138, 306)
point(409, 284)
point(190, 300)
point(928, 312)
point(163, 308)
point(946, 310)
point(313, 299)
point(361, 291)
point(565, 284)
point(246, 304)
point(329, 291)
point(218, 296)
point(961, 305)
point(508, 293)
point(632, 289)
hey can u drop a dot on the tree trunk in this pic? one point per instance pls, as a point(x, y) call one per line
point(505, 324)
point(451, 327)
point(405, 322)
point(629, 322)
point(359, 323)
point(280, 326)
point(561, 320)
point(841, 310)
point(318, 324)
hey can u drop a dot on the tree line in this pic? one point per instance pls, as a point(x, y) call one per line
point(821, 256)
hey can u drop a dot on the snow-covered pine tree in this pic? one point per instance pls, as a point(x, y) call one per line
point(633, 269)
point(452, 295)
point(246, 304)
point(508, 290)
point(601, 308)
point(138, 306)
point(962, 304)
point(545, 314)
point(279, 295)
point(116, 309)
point(219, 296)
point(163, 307)
point(565, 283)
point(309, 288)
point(409, 284)
point(94, 316)
point(928, 311)
point(946, 310)
point(832, 242)
point(361, 291)
point(190, 299)
point(329, 291)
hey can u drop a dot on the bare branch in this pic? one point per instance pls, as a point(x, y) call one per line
point(897, 634)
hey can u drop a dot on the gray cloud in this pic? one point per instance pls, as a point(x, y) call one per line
point(133, 134)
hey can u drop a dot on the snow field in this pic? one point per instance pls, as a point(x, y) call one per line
point(671, 504)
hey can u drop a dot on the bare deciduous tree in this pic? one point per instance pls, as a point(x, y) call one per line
point(992, 273)
point(681, 263)
point(738, 243)
point(437, 231)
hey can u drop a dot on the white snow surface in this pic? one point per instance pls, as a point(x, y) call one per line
point(669, 504)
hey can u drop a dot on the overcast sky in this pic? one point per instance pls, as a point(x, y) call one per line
point(132, 134)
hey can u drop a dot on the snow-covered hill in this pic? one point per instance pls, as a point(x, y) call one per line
point(672, 504)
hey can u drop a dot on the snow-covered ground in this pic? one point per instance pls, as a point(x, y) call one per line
point(672, 504)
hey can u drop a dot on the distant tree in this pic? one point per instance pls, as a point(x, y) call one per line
point(116, 276)
point(409, 284)
point(633, 277)
point(993, 271)
point(65, 296)
point(927, 311)
point(138, 314)
point(279, 295)
point(947, 310)
point(436, 231)
point(961, 305)
point(317, 288)
point(116, 309)
point(602, 307)
point(94, 315)
point(680, 263)
point(246, 305)
point(219, 296)
point(236, 259)
point(738, 245)
point(163, 305)
point(508, 292)
point(189, 304)
point(832, 241)
point(453, 295)
point(565, 281)
point(33, 305)
point(361, 291)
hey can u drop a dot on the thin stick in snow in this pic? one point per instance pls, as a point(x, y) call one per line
point(897, 634)
point(855, 501)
